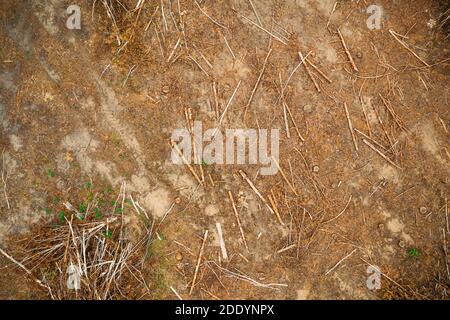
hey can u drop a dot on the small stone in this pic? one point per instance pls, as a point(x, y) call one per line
point(165, 89)
point(315, 169)
point(177, 200)
point(401, 244)
point(359, 55)
point(423, 210)
point(381, 226)
point(179, 256)
point(307, 108)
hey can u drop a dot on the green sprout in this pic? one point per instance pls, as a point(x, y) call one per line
point(50, 173)
point(108, 234)
point(413, 252)
point(82, 208)
point(61, 216)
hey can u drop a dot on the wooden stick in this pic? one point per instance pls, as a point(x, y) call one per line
point(284, 176)
point(275, 208)
point(340, 261)
point(350, 126)
point(221, 241)
point(238, 220)
point(349, 55)
point(198, 261)
point(319, 71)
point(265, 30)
point(309, 72)
point(380, 153)
point(393, 33)
point(250, 183)
point(258, 81)
point(174, 145)
point(293, 121)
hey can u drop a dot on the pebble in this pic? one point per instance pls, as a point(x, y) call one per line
point(307, 108)
point(179, 256)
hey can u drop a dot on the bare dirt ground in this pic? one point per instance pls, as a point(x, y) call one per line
point(80, 114)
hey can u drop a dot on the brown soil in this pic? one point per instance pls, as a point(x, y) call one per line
point(65, 122)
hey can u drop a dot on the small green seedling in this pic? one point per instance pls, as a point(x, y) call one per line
point(50, 173)
point(88, 185)
point(61, 216)
point(48, 211)
point(108, 234)
point(82, 208)
point(98, 214)
point(413, 252)
point(204, 163)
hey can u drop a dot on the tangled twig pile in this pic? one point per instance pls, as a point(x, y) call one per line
point(81, 259)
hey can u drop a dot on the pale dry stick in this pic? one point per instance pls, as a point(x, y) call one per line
point(292, 246)
point(265, 30)
point(446, 254)
point(165, 28)
point(256, 13)
point(446, 215)
point(151, 19)
point(349, 55)
point(174, 145)
point(290, 76)
point(340, 261)
point(383, 127)
point(250, 183)
point(293, 121)
point(243, 277)
point(394, 115)
point(319, 71)
point(238, 220)
point(174, 49)
point(229, 47)
point(176, 293)
point(286, 124)
point(258, 81)
point(216, 100)
point(309, 72)
point(197, 267)
point(223, 249)
point(275, 208)
point(226, 108)
point(284, 176)
point(342, 212)
point(350, 126)
point(4, 179)
point(332, 11)
point(203, 57)
point(209, 17)
point(199, 65)
point(371, 146)
point(371, 139)
point(39, 282)
point(385, 275)
point(130, 72)
point(366, 118)
point(404, 45)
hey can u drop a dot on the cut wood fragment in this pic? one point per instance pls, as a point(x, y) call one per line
point(197, 267)
point(349, 55)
